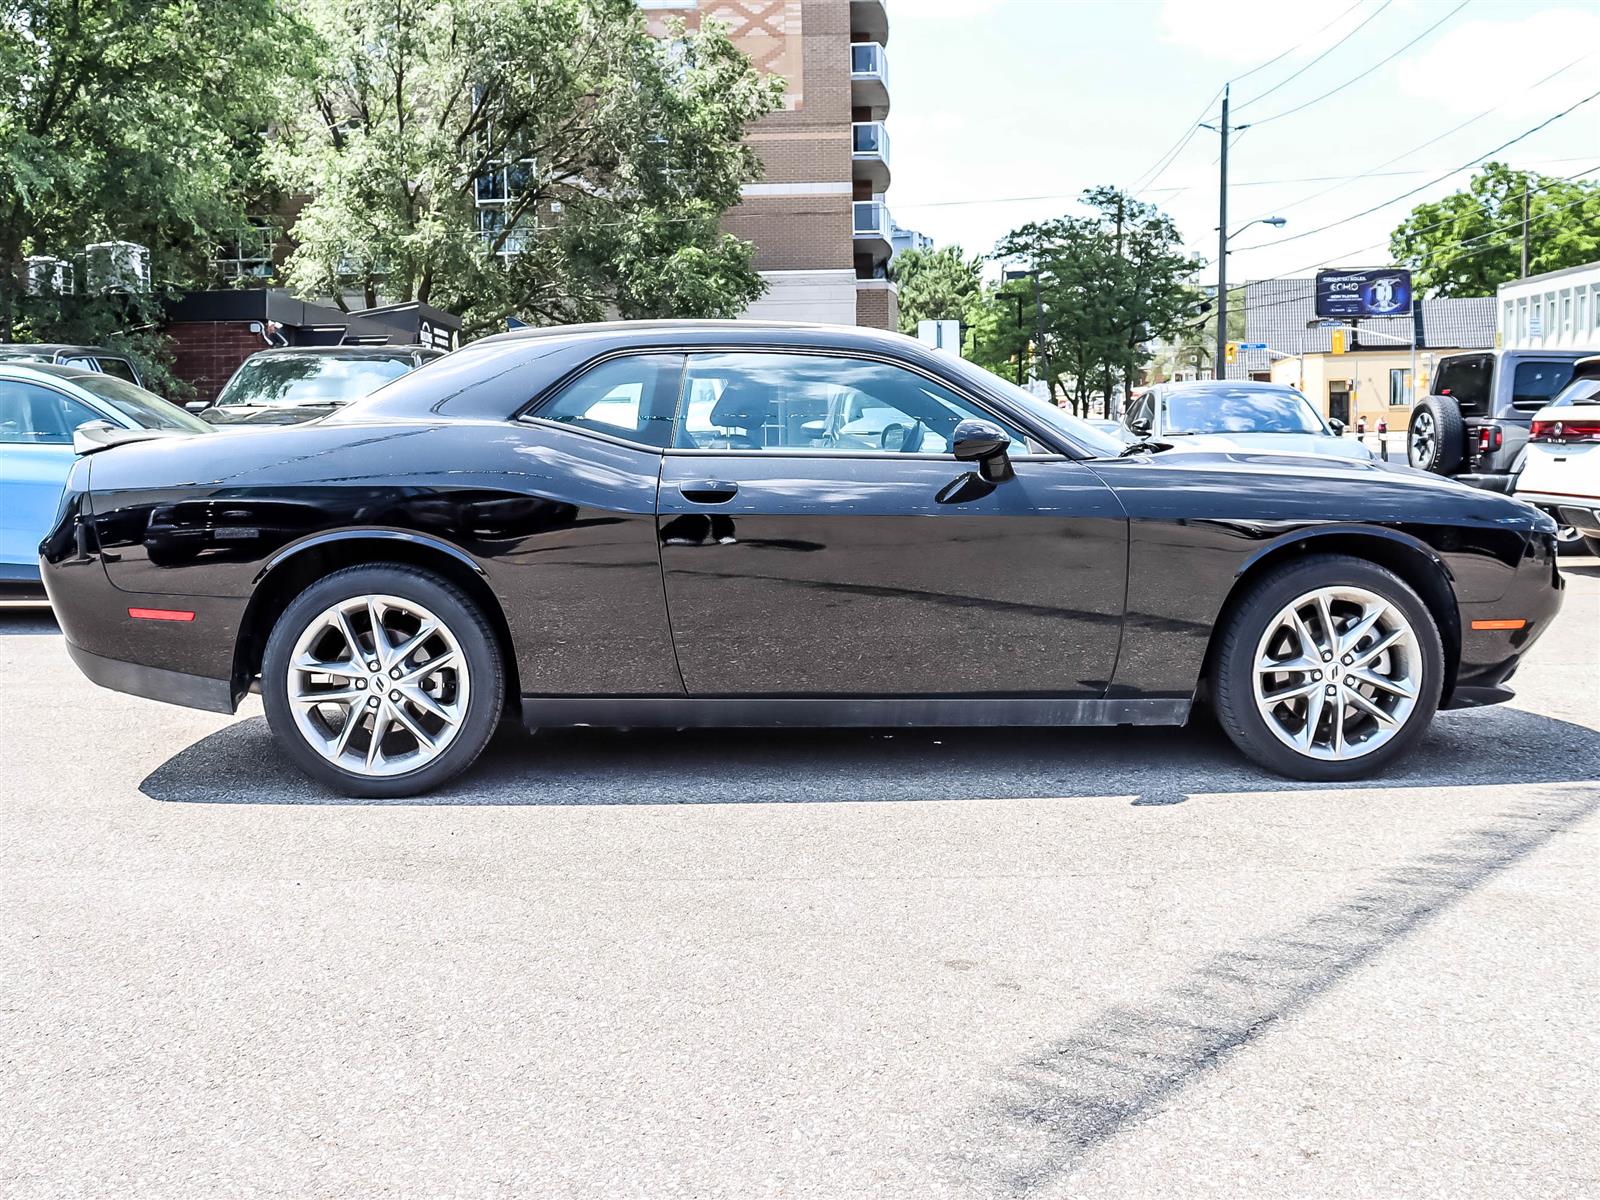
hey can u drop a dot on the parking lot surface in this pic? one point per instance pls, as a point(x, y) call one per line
point(933, 964)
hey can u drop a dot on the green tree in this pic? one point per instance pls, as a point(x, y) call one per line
point(1110, 283)
point(1470, 242)
point(544, 159)
point(126, 120)
point(937, 285)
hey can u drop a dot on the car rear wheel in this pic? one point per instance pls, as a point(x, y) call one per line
point(1436, 436)
point(382, 681)
point(1330, 668)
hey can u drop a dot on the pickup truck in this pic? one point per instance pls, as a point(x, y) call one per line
point(1474, 424)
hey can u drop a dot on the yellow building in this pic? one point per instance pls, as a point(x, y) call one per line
point(1368, 383)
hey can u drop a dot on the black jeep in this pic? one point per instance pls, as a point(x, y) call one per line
point(1474, 424)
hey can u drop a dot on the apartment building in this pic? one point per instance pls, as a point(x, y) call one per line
point(817, 217)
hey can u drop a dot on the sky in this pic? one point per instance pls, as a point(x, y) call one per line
point(1003, 111)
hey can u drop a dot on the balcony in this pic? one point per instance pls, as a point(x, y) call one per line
point(872, 230)
point(869, 78)
point(869, 154)
point(868, 21)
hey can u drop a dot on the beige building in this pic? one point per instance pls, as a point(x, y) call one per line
point(817, 217)
point(1369, 383)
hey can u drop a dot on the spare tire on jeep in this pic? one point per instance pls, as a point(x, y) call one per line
point(1436, 439)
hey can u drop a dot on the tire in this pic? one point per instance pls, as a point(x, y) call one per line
point(456, 706)
point(1436, 439)
point(1569, 541)
point(1593, 543)
point(1259, 631)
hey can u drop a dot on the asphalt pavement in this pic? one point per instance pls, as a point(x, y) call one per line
point(842, 964)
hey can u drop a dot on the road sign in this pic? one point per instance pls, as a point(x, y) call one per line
point(1252, 345)
point(941, 335)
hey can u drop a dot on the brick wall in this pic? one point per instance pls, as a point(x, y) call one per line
point(877, 304)
point(206, 353)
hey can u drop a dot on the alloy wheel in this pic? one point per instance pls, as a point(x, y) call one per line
point(378, 685)
point(1337, 673)
point(1423, 438)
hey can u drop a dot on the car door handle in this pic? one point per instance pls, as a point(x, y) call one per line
point(709, 491)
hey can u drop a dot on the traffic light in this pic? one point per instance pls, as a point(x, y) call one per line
point(1337, 341)
point(1232, 355)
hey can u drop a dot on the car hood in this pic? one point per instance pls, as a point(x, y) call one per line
point(1274, 443)
point(265, 414)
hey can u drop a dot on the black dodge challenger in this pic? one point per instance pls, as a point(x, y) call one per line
point(708, 523)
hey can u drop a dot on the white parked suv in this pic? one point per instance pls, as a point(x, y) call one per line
point(1561, 466)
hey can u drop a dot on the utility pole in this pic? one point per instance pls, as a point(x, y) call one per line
point(1219, 364)
point(1526, 191)
point(1038, 322)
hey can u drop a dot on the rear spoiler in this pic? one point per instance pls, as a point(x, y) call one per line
point(1587, 368)
point(94, 436)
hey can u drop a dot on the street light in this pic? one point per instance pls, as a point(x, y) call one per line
point(1017, 273)
point(1221, 370)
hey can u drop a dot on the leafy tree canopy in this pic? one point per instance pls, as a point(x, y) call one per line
point(1471, 242)
point(130, 120)
point(606, 157)
point(1109, 284)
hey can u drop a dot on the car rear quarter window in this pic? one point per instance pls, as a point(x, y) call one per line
point(631, 397)
point(1534, 383)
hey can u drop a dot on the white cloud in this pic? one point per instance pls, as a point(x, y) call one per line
point(1502, 59)
point(1249, 31)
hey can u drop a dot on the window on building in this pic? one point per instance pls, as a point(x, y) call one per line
point(1399, 386)
point(246, 255)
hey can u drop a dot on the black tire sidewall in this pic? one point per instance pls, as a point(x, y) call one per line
point(1234, 683)
point(1449, 434)
point(466, 623)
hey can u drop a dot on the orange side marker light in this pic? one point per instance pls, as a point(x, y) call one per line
point(1498, 624)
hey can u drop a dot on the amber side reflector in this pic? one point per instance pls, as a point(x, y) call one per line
point(1498, 624)
point(160, 614)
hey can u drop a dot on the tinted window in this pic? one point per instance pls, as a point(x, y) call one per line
point(118, 369)
point(818, 404)
point(1465, 379)
point(1238, 410)
point(631, 397)
point(36, 416)
point(291, 379)
point(1534, 383)
point(145, 409)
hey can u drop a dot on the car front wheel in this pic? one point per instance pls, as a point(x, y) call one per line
point(382, 681)
point(1330, 668)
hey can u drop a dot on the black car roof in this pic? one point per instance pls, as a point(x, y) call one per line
point(58, 348)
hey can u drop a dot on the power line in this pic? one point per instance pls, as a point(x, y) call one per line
point(1424, 186)
point(1298, 45)
point(1421, 146)
point(1369, 19)
point(1153, 173)
point(1357, 78)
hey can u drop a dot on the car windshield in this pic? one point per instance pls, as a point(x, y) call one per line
point(1078, 431)
point(1238, 410)
point(1579, 391)
point(147, 409)
point(290, 380)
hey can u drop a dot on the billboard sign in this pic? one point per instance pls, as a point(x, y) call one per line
point(1385, 292)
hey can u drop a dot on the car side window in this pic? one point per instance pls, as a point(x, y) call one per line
point(630, 397)
point(83, 364)
point(816, 403)
point(31, 415)
point(118, 369)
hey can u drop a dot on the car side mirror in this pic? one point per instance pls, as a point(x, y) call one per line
point(1139, 428)
point(195, 406)
point(986, 444)
point(1337, 426)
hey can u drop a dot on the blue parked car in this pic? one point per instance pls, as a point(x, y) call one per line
point(41, 404)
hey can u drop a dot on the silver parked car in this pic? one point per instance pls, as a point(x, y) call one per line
point(1226, 414)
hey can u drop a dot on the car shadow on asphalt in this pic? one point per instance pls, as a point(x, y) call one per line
point(1152, 767)
point(1128, 1062)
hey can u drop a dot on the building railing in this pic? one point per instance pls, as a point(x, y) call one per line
point(868, 61)
point(871, 219)
point(869, 139)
